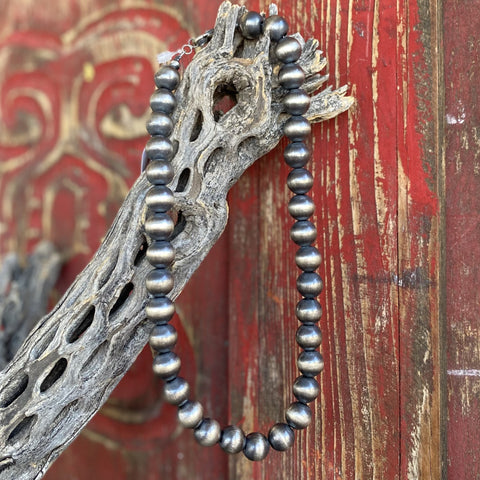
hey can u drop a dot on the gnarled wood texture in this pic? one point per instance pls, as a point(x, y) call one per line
point(76, 355)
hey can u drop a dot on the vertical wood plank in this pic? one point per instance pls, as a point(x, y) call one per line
point(462, 154)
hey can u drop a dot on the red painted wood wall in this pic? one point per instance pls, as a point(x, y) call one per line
point(396, 190)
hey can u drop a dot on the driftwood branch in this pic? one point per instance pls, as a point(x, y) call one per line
point(76, 355)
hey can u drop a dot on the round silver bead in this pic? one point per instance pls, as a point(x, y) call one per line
point(166, 365)
point(159, 172)
point(310, 363)
point(190, 414)
point(160, 309)
point(159, 198)
point(281, 437)
point(176, 391)
point(159, 148)
point(291, 76)
point(276, 27)
point(167, 77)
point(251, 25)
point(307, 258)
point(296, 154)
point(309, 284)
point(298, 415)
point(160, 253)
point(308, 310)
point(309, 337)
point(163, 337)
point(288, 50)
point(297, 128)
point(256, 446)
point(303, 232)
point(208, 432)
point(162, 100)
point(159, 226)
point(232, 439)
point(299, 181)
point(174, 64)
point(306, 389)
point(159, 281)
point(159, 124)
point(296, 102)
point(301, 207)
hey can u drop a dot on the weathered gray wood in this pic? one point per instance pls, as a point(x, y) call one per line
point(77, 354)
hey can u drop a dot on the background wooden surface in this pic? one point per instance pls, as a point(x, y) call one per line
point(397, 181)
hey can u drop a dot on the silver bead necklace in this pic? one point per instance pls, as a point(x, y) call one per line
point(160, 253)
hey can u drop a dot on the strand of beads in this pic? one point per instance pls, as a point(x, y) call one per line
point(160, 253)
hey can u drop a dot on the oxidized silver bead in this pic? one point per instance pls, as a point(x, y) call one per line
point(291, 76)
point(301, 207)
point(309, 284)
point(256, 446)
point(159, 172)
point(299, 180)
point(159, 226)
point(160, 309)
point(163, 337)
point(251, 25)
point(167, 77)
point(297, 128)
point(162, 100)
point(308, 310)
point(160, 253)
point(303, 232)
point(307, 258)
point(298, 415)
point(159, 281)
point(159, 198)
point(232, 439)
point(296, 102)
point(208, 432)
point(296, 154)
point(174, 64)
point(166, 365)
point(159, 148)
point(309, 337)
point(190, 414)
point(288, 50)
point(159, 124)
point(306, 389)
point(276, 27)
point(281, 437)
point(176, 391)
point(310, 363)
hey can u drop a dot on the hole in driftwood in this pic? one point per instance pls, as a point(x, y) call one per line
point(142, 251)
point(55, 373)
point(179, 225)
point(183, 180)
point(82, 326)
point(13, 390)
point(123, 297)
point(63, 415)
point(175, 147)
point(22, 429)
point(43, 343)
point(212, 160)
point(224, 99)
point(197, 126)
point(6, 463)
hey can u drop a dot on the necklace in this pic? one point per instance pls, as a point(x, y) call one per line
point(159, 227)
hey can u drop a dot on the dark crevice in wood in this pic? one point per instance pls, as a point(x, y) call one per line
point(82, 326)
point(122, 298)
point(142, 251)
point(22, 429)
point(183, 180)
point(6, 463)
point(211, 160)
point(13, 391)
point(179, 225)
point(65, 412)
point(197, 126)
point(43, 343)
point(55, 373)
point(224, 99)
